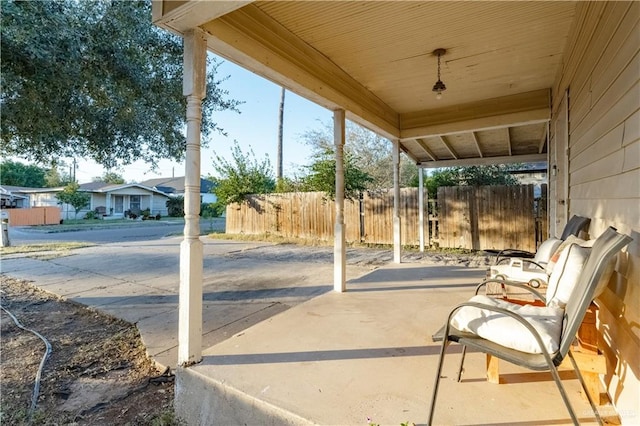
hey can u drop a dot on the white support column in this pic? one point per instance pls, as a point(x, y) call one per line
point(107, 203)
point(421, 207)
point(397, 238)
point(339, 246)
point(190, 302)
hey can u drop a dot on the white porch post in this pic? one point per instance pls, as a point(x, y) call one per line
point(190, 302)
point(339, 249)
point(421, 207)
point(107, 203)
point(396, 203)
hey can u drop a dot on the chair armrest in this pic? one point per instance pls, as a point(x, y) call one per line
point(513, 253)
point(517, 284)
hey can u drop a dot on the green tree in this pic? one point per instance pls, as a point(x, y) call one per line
point(175, 206)
point(72, 195)
point(241, 176)
point(110, 177)
point(101, 82)
point(54, 178)
point(471, 175)
point(19, 174)
point(369, 152)
point(322, 175)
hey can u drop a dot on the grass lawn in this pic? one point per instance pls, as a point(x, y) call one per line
point(55, 247)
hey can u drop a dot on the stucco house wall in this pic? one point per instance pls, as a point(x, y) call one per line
point(601, 73)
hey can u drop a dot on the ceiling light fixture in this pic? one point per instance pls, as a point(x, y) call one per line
point(439, 86)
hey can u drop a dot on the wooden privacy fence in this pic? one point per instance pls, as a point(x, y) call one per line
point(487, 217)
point(474, 218)
point(34, 216)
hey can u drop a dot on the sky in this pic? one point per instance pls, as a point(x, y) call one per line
point(256, 125)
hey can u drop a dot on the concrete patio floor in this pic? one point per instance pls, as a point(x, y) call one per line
point(339, 359)
point(282, 348)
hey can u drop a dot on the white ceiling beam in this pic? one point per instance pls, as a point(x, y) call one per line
point(424, 146)
point(180, 16)
point(513, 110)
point(447, 145)
point(405, 150)
point(507, 138)
point(252, 39)
point(543, 139)
point(477, 142)
point(510, 159)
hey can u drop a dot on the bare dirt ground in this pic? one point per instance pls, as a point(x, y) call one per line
point(97, 374)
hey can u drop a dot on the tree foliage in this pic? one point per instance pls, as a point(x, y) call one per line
point(55, 178)
point(175, 206)
point(471, 175)
point(72, 195)
point(19, 174)
point(110, 177)
point(241, 176)
point(95, 80)
point(370, 153)
point(322, 176)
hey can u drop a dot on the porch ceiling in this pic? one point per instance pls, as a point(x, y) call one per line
point(374, 59)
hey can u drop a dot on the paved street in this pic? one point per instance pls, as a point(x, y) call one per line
point(117, 233)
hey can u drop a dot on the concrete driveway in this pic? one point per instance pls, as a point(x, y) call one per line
point(244, 283)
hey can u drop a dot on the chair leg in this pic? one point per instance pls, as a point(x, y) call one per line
point(584, 387)
point(563, 393)
point(464, 352)
point(436, 385)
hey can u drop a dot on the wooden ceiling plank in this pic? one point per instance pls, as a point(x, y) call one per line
point(527, 158)
point(477, 142)
point(424, 146)
point(448, 146)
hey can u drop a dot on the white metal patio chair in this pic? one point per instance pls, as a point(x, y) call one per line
point(517, 265)
point(542, 335)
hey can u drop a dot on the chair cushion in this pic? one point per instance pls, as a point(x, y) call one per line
point(507, 331)
point(566, 243)
point(546, 250)
point(565, 275)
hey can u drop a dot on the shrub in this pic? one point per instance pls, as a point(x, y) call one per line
point(90, 215)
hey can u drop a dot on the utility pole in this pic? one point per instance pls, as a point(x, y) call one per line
point(280, 133)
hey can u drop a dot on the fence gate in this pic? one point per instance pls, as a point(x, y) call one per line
point(487, 217)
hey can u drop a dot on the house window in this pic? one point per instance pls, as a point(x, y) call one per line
point(134, 203)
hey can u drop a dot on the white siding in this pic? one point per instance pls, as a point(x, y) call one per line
point(601, 69)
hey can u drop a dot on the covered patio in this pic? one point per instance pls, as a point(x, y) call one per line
point(525, 81)
point(339, 359)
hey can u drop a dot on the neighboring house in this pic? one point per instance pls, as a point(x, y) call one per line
point(174, 187)
point(111, 200)
point(11, 198)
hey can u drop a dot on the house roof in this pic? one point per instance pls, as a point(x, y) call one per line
point(102, 187)
point(175, 185)
point(375, 61)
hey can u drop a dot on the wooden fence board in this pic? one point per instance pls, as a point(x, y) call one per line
point(489, 217)
point(34, 216)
